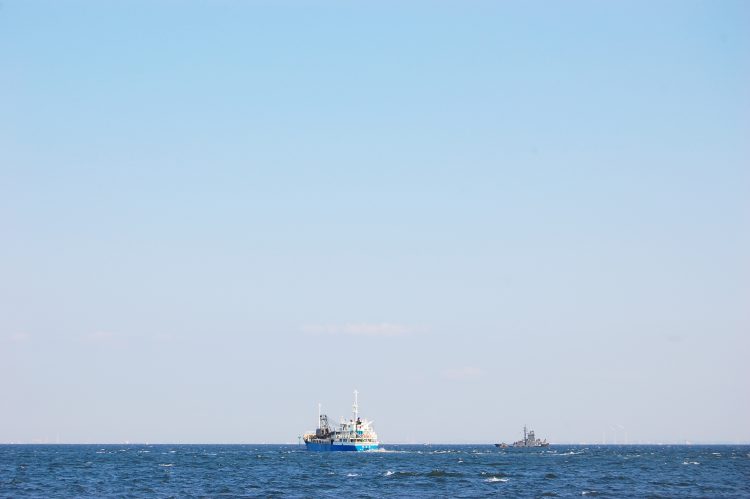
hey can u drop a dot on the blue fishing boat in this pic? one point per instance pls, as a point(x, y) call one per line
point(355, 434)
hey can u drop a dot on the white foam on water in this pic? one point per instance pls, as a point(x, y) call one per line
point(690, 462)
point(388, 473)
point(495, 479)
point(168, 465)
point(589, 493)
point(352, 474)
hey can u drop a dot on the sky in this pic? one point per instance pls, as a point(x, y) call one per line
point(215, 215)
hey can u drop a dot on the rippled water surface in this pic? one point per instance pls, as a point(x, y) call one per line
point(399, 470)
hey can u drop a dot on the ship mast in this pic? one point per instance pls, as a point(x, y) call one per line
point(319, 407)
point(355, 406)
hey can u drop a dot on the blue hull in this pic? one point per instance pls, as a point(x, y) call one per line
point(340, 447)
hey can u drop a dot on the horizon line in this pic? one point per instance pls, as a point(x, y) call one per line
point(596, 444)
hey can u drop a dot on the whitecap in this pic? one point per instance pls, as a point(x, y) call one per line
point(589, 493)
point(690, 462)
point(168, 465)
point(352, 474)
point(495, 479)
point(388, 473)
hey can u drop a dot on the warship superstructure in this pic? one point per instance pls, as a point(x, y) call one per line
point(530, 440)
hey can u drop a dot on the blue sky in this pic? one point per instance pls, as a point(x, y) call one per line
point(215, 215)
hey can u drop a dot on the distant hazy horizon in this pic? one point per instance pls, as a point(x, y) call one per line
point(386, 444)
point(216, 215)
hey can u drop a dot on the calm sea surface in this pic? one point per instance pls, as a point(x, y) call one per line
point(399, 471)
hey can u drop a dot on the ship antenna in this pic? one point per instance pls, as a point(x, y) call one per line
point(319, 406)
point(355, 407)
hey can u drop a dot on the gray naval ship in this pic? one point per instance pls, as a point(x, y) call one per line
point(529, 440)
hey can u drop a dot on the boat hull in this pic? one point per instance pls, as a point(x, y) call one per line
point(336, 447)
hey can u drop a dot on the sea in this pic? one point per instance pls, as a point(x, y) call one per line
point(396, 471)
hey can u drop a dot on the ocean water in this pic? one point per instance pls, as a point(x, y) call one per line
point(398, 471)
